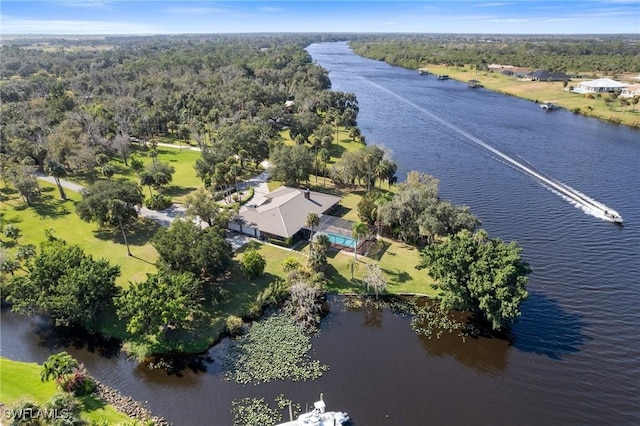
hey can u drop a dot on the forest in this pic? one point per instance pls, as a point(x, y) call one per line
point(602, 54)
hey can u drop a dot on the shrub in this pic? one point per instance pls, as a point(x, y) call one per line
point(253, 263)
point(235, 325)
point(66, 407)
point(290, 263)
point(78, 382)
point(158, 202)
point(24, 413)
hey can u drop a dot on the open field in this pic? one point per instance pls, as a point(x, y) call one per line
point(49, 212)
point(540, 91)
point(184, 181)
point(20, 381)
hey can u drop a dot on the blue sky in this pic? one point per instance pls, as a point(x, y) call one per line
point(426, 16)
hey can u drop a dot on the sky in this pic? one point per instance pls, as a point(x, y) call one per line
point(418, 16)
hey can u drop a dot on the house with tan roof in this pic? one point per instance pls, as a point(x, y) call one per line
point(281, 214)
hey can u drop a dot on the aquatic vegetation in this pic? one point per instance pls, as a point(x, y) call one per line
point(275, 348)
point(256, 411)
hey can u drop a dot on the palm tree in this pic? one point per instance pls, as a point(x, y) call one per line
point(146, 178)
point(358, 230)
point(312, 221)
point(57, 366)
point(325, 157)
point(117, 209)
point(56, 170)
point(353, 264)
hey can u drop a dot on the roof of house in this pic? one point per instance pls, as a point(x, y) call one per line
point(632, 90)
point(546, 75)
point(603, 82)
point(285, 210)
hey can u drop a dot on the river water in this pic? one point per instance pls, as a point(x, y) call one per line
point(573, 358)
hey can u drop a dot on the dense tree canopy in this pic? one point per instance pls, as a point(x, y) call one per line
point(185, 247)
point(110, 203)
point(416, 212)
point(163, 301)
point(609, 54)
point(482, 275)
point(80, 109)
point(64, 283)
point(291, 164)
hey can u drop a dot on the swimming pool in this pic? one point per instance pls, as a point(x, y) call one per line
point(341, 240)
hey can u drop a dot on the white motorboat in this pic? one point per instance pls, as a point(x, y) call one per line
point(319, 417)
point(549, 106)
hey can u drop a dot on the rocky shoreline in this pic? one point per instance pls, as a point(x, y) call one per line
point(127, 405)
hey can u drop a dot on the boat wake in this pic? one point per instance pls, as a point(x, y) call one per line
point(573, 196)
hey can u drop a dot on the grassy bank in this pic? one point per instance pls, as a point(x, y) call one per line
point(540, 91)
point(20, 381)
point(48, 212)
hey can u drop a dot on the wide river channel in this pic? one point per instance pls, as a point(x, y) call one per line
point(574, 357)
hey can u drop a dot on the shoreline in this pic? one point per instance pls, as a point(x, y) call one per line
point(127, 405)
point(538, 92)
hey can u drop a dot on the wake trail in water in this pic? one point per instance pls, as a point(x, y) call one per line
point(573, 196)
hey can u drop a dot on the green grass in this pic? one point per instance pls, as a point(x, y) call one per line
point(397, 261)
point(184, 180)
point(241, 293)
point(243, 290)
point(21, 381)
point(49, 212)
point(541, 91)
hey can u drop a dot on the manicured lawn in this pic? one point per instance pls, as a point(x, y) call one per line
point(21, 381)
point(49, 212)
point(542, 91)
point(184, 181)
point(397, 260)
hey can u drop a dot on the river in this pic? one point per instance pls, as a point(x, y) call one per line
point(574, 357)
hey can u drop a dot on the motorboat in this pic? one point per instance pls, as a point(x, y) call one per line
point(613, 217)
point(549, 106)
point(319, 417)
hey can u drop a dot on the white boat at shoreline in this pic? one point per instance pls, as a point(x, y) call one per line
point(549, 106)
point(319, 417)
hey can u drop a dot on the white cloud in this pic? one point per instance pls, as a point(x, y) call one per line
point(59, 26)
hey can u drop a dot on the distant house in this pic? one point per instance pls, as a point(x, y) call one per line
point(544, 75)
point(630, 91)
point(281, 214)
point(509, 70)
point(601, 85)
point(289, 106)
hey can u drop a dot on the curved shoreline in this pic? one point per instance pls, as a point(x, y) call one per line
point(127, 405)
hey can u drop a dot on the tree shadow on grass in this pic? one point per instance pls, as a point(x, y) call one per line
point(338, 282)
point(49, 206)
point(378, 250)
point(546, 328)
point(398, 276)
point(178, 191)
point(92, 403)
point(337, 150)
point(138, 234)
